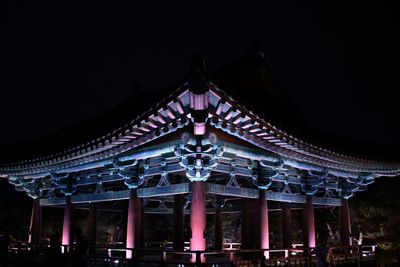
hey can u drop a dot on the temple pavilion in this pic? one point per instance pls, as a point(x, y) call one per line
point(232, 134)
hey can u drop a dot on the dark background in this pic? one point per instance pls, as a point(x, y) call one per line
point(61, 63)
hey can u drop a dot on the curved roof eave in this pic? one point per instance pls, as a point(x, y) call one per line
point(225, 113)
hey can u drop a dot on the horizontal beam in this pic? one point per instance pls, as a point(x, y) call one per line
point(224, 190)
point(55, 201)
point(284, 197)
point(119, 195)
point(327, 201)
point(168, 190)
point(86, 198)
point(184, 188)
point(273, 196)
point(187, 211)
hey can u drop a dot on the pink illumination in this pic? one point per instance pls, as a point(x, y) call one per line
point(131, 226)
point(264, 224)
point(198, 219)
point(66, 233)
point(199, 128)
point(199, 101)
point(309, 223)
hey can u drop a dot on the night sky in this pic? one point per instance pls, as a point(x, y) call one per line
point(64, 63)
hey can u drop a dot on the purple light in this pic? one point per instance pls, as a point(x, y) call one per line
point(264, 224)
point(199, 128)
point(66, 233)
point(198, 219)
point(309, 223)
point(199, 101)
point(130, 231)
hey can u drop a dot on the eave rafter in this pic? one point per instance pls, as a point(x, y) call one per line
point(280, 158)
point(235, 119)
point(168, 116)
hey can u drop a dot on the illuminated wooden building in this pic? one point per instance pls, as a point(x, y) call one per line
point(230, 133)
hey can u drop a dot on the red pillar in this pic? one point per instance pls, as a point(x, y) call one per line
point(345, 224)
point(286, 225)
point(198, 217)
point(36, 223)
point(308, 223)
point(133, 231)
point(264, 225)
point(218, 228)
point(179, 222)
point(247, 226)
point(67, 224)
point(92, 224)
point(139, 224)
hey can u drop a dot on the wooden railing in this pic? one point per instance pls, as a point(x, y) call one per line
point(345, 256)
point(161, 254)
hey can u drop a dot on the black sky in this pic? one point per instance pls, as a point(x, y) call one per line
point(61, 63)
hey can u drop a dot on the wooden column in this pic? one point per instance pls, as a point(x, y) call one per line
point(286, 225)
point(198, 218)
point(308, 223)
point(139, 224)
point(36, 224)
point(134, 223)
point(92, 224)
point(67, 224)
point(345, 224)
point(179, 222)
point(218, 234)
point(247, 225)
point(264, 224)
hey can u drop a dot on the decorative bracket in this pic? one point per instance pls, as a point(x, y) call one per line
point(311, 180)
point(328, 193)
point(99, 185)
point(286, 189)
point(348, 187)
point(133, 172)
point(232, 181)
point(198, 156)
point(65, 182)
point(164, 175)
point(264, 172)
